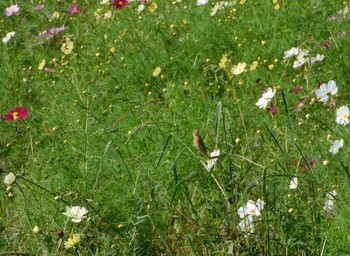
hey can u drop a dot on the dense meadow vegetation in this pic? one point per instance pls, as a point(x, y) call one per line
point(99, 103)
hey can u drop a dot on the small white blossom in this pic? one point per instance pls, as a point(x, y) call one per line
point(140, 8)
point(293, 183)
point(329, 204)
point(8, 36)
point(319, 57)
point(265, 98)
point(213, 159)
point(246, 225)
point(9, 179)
point(202, 2)
point(337, 144)
point(292, 52)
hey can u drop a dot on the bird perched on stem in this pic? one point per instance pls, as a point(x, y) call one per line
point(198, 142)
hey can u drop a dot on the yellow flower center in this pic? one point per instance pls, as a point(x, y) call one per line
point(345, 116)
point(14, 114)
point(120, 2)
point(252, 211)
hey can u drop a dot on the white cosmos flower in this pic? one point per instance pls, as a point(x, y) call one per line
point(262, 103)
point(8, 36)
point(319, 57)
point(343, 115)
point(292, 52)
point(325, 90)
point(77, 213)
point(213, 159)
point(251, 208)
point(246, 225)
point(337, 144)
point(266, 98)
point(293, 183)
point(329, 204)
point(301, 59)
point(9, 179)
point(202, 2)
point(140, 8)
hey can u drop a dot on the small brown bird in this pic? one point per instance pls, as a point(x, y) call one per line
point(198, 142)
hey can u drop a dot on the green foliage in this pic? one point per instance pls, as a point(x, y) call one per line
point(110, 120)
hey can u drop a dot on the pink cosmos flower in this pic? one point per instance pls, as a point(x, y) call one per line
point(73, 9)
point(11, 10)
point(119, 4)
point(39, 7)
point(16, 114)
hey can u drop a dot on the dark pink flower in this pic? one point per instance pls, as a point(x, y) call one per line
point(273, 109)
point(326, 44)
point(119, 4)
point(16, 114)
point(73, 9)
point(297, 89)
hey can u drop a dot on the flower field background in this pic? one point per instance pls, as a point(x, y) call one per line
point(177, 127)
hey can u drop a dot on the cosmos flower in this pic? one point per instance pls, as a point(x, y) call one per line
point(343, 115)
point(119, 4)
point(9, 179)
point(247, 225)
point(293, 183)
point(213, 159)
point(11, 10)
point(77, 213)
point(202, 2)
point(16, 114)
point(292, 52)
point(238, 69)
point(72, 241)
point(8, 36)
point(156, 71)
point(329, 204)
point(73, 9)
point(251, 208)
point(265, 98)
point(68, 46)
point(326, 90)
point(336, 146)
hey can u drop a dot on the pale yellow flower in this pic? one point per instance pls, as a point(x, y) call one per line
point(41, 64)
point(253, 66)
point(239, 68)
point(157, 71)
point(153, 7)
point(72, 241)
point(223, 61)
point(68, 46)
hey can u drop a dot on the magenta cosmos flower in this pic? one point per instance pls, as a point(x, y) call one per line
point(73, 9)
point(119, 4)
point(16, 114)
